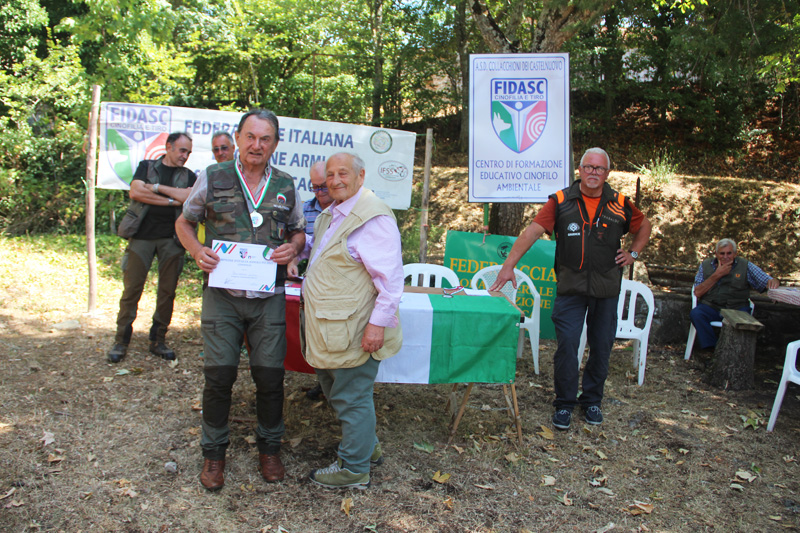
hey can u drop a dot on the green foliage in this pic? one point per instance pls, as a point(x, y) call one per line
point(409, 223)
point(660, 169)
point(21, 23)
point(41, 181)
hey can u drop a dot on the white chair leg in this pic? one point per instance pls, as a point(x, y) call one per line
point(690, 342)
point(642, 361)
point(535, 353)
point(776, 407)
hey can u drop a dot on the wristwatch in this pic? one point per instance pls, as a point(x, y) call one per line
point(171, 201)
point(635, 255)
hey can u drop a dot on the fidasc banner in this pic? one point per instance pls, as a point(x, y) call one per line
point(466, 253)
point(519, 127)
point(130, 133)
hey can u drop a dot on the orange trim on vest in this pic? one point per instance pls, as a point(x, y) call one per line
point(560, 196)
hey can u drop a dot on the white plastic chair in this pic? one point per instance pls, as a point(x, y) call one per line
point(790, 373)
point(626, 328)
point(693, 332)
point(429, 275)
point(488, 275)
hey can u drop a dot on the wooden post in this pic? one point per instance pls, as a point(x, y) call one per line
point(91, 167)
point(735, 352)
point(426, 178)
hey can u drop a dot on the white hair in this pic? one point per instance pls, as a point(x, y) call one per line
point(598, 151)
point(726, 242)
point(357, 164)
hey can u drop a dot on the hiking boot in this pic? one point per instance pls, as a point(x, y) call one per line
point(336, 477)
point(562, 419)
point(161, 350)
point(315, 393)
point(213, 475)
point(594, 415)
point(117, 353)
point(270, 467)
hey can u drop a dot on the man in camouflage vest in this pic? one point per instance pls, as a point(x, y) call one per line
point(247, 201)
point(724, 282)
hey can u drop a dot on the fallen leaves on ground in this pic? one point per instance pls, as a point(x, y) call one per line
point(546, 433)
point(424, 446)
point(438, 477)
point(347, 504)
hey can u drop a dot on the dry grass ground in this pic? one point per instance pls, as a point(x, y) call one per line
point(83, 444)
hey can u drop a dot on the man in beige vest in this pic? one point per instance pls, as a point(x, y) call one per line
point(352, 290)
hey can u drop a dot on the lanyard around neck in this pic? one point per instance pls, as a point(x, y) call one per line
point(255, 203)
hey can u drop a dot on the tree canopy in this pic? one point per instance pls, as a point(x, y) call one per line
point(710, 75)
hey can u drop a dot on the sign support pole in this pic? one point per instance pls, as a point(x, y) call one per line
point(91, 167)
point(423, 221)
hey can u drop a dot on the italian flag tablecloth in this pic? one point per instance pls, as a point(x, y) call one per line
point(459, 339)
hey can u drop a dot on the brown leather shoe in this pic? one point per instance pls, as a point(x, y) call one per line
point(213, 475)
point(271, 467)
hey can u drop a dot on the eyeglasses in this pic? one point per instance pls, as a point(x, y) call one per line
point(319, 189)
point(222, 148)
point(591, 169)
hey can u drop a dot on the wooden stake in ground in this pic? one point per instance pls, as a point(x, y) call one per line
point(423, 219)
point(91, 166)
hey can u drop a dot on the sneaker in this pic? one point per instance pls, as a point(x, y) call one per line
point(594, 415)
point(335, 477)
point(376, 459)
point(562, 419)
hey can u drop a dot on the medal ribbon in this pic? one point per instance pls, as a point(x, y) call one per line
point(246, 187)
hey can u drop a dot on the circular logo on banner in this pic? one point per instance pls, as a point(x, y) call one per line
point(503, 249)
point(393, 171)
point(573, 227)
point(380, 142)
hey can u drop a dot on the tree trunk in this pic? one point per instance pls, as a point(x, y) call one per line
point(733, 359)
point(556, 24)
point(377, 78)
point(611, 65)
point(463, 60)
point(506, 219)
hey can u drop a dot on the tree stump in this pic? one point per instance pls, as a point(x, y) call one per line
point(735, 351)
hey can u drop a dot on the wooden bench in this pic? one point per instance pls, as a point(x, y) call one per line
point(735, 351)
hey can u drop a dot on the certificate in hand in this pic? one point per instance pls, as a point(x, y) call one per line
point(243, 266)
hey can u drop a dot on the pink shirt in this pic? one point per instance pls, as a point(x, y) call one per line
point(377, 246)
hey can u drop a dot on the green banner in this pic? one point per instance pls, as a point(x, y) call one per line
point(466, 253)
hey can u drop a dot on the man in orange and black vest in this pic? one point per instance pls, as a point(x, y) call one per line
point(588, 220)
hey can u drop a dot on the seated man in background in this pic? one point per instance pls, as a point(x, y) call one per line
point(724, 282)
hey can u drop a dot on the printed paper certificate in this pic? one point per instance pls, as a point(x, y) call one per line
point(243, 266)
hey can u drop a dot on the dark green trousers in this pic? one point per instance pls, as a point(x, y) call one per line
point(135, 266)
point(225, 319)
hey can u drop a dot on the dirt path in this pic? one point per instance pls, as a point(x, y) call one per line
point(83, 444)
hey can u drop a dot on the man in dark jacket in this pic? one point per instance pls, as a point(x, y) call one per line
point(158, 190)
point(588, 220)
